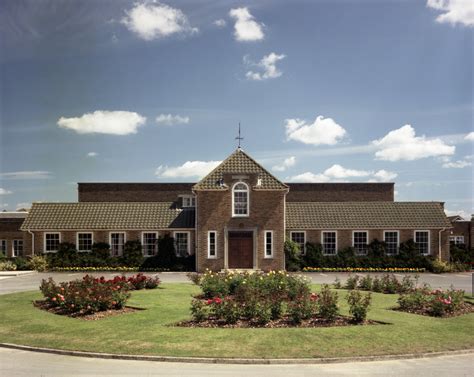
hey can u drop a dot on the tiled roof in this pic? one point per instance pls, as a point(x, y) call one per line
point(366, 215)
point(108, 216)
point(239, 162)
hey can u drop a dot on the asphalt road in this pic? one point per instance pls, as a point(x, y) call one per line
point(14, 363)
point(9, 284)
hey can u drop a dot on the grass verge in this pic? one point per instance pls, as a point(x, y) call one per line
point(150, 332)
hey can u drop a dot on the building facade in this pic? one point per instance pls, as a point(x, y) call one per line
point(237, 217)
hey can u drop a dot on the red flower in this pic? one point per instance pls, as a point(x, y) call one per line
point(209, 302)
point(217, 300)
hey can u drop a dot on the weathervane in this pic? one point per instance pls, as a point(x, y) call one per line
point(239, 138)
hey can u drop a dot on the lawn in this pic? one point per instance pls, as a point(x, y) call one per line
point(150, 332)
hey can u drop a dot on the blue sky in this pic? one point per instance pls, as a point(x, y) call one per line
point(325, 91)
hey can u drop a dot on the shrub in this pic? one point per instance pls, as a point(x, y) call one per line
point(262, 313)
point(327, 304)
point(38, 263)
point(358, 305)
point(88, 295)
point(101, 251)
point(366, 283)
point(440, 267)
point(389, 283)
point(337, 283)
point(292, 256)
point(351, 282)
point(199, 310)
point(166, 251)
point(461, 254)
point(377, 285)
point(132, 253)
point(7, 266)
point(21, 263)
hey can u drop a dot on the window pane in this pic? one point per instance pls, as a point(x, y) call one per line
point(51, 241)
point(268, 244)
point(84, 242)
point(150, 244)
point(391, 242)
point(212, 244)
point(360, 243)
point(422, 241)
point(299, 238)
point(240, 199)
point(117, 241)
point(329, 243)
point(17, 248)
point(3, 247)
point(181, 241)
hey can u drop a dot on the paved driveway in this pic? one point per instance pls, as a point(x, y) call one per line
point(31, 282)
point(14, 363)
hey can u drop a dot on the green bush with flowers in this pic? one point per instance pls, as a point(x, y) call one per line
point(258, 298)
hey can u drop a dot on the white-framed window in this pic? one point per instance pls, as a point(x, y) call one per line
point(329, 242)
point(240, 200)
point(189, 201)
point(457, 240)
point(300, 239)
point(392, 241)
point(182, 244)
point(268, 244)
point(51, 242)
point(212, 244)
point(422, 240)
point(84, 241)
point(117, 243)
point(149, 243)
point(360, 241)
point(3, 247)
point(17, 248)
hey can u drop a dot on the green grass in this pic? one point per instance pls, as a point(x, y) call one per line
point(149, 332)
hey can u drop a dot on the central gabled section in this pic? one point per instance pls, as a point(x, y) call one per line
point(240, 216)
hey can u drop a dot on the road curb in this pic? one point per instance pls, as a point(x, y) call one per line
point(217, 360)
point(17, 273)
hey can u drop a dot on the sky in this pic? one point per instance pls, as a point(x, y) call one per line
point(325, 91)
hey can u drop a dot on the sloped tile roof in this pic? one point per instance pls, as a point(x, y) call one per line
point(108, 216)
point(239, 162)
point(366, 215)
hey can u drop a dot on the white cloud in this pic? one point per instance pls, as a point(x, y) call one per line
point(37, 174)
point(4, 206)
point(287, 163)
point(220, 23)
point(469, 136)
point(188, 169)
point(169, 119)
point(462, 213)
point(267, 67)
point(321, 131)
point(104, 122)
point(454, 11)
point(459, 164)
point(23, 205)
point(4, 191)
point(402, 144)
point(338, 173)
point(155, 20)
point(246, 28)
point(92, 154)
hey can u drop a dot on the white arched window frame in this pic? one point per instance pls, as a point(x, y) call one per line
point(240, 200)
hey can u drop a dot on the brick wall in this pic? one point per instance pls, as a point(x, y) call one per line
point(340, 192)
point(463, 228)
point(9, 231)
point(132, 192)
point(214, 212)
point(344, 239)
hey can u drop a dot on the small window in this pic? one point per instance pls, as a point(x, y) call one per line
point(240, 197)
point(422, 240)
point(17, 248)
point(84, 241)
point(300, 239)
point(117, 243)
point(149, 243)
point(51, 242)
point(3, 247)
point(391, 242)
point(329, 243)
point(360, 242)
point(268, 244)
point(212, 244)
point(181, 240)
point(189, 201)
point(457, 240)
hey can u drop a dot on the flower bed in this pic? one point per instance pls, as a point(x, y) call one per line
point(387, 283)
point(435, 303)
point(273, 299)
point(105, 268)
point(362, 269)
point(90, 295)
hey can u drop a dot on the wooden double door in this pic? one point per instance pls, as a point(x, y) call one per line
point(240, 249)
